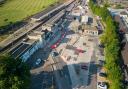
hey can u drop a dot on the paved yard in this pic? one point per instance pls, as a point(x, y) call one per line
point(76, 42)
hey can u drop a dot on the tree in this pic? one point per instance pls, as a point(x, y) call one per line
point(14, 74)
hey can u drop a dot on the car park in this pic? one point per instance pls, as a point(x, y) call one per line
point(102, 85)
point(38, 61)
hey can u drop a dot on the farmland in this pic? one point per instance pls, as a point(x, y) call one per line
point(16, 10)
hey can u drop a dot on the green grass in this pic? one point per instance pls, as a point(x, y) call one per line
point(17, 10)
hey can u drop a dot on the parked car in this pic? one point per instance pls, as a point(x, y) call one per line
point(80, 50)
point(83, 66)
point(54, 54)
point(101, 62)
point(53, 46)
point(69, 57)
point(75, 59)
point(102, 85)
point(125, 82)
point(102, 74)
point(101, 46)
point(38, 61)
point(90, 39)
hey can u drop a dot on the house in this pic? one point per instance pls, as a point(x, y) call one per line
point(89, 30)
point(78, 11)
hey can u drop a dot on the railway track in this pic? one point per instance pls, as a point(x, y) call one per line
point(20, 39)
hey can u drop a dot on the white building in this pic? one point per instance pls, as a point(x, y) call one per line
point(78, 11)
point(84, 19)
point(91, 31)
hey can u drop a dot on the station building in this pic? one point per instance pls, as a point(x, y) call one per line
point(28, 46)
point(38, 38)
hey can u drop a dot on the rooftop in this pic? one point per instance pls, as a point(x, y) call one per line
point(88, 27)
point(70, 7)
point(30, 41)
point(123, 13)
point(22, 48)
point(55, 18)
point(34, 34)
point(48, 10)
point(17, 51)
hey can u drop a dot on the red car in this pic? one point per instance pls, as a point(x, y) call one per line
point(80, 50)
point(53, 46)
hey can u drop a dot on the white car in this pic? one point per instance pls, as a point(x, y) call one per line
point(38, 61)
point(102, 85)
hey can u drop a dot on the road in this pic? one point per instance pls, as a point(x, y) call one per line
point(92, 82)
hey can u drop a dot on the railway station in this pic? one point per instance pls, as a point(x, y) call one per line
point(38, 38)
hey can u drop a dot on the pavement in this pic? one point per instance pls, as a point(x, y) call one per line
point(80, 81)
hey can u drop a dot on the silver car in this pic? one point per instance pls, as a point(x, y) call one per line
point(38, 61)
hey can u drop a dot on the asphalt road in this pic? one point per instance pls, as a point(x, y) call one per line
point(92, 81)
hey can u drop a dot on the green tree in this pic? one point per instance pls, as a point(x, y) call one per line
point(111, 42)
point(14, 74)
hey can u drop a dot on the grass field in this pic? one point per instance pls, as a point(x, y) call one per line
point(16, 10)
